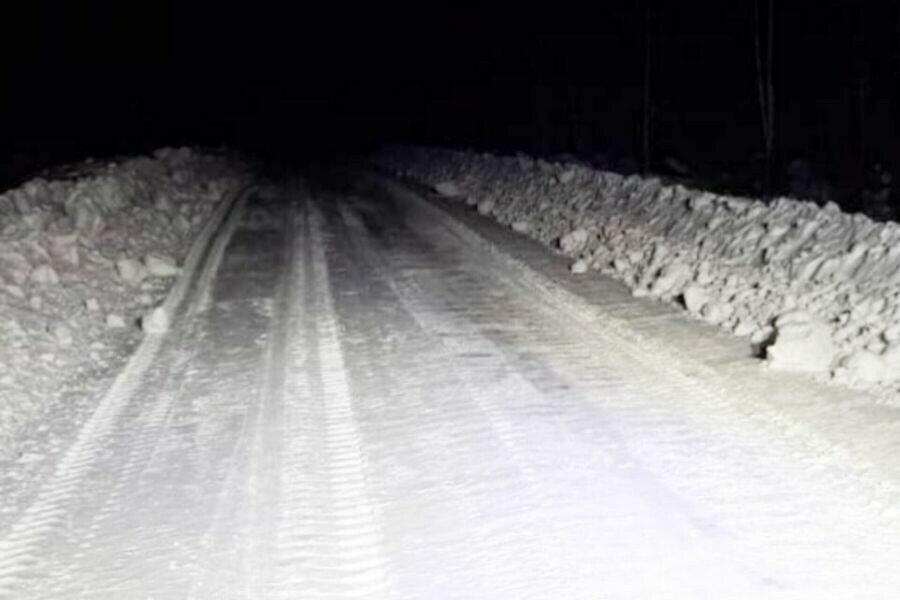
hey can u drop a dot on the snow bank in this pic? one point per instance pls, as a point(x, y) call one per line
point(83, 254)
point(813, 289)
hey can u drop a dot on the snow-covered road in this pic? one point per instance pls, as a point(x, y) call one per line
point(371, 396)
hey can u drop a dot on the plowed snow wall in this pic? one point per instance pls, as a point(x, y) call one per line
point(737, 262)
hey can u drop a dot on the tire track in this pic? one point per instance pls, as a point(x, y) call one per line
point(20, 549)
point(328, 540)
point(509, 400)
point(739, 462)
point(244, 526)
point(655, 356)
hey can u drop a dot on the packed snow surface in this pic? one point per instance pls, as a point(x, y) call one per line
point(401, 399)
point(812, 288)
point(85, 251)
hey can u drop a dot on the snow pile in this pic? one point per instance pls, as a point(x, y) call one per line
point(813, 288)
point(83, 257)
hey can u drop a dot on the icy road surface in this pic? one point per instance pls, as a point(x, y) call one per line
point(367, 397)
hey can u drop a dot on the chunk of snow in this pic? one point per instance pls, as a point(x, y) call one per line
point(892, 333)
point(11, 329)
point(743, 327)
point(130, 271)
point(717, 312)
point(156, 321)
point(85, 214)
point(670, 280)
point(182, 225)
point(64, 248)
point(574, 241)
point(449, 189)
point(22, 203)
point(891, 358)
point(62, 334)
point(865, 366)
point(114, 321)
point(695, 298)
point(160, 265)
point(579, 267)
point(35, 221)
point(15, 291)
point(566, 176)
point(44, 274)
point(162, 203)
point(485, 207)
point(802, 343)
point(14, 267)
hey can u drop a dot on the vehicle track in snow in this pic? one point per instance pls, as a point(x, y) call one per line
point(328, 537)
point(526, 418)
point(370, 401)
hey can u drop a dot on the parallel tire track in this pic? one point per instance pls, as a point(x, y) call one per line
point(451, 317)
point(328, 541)
point(697, 379)
point(717, 405)
point(19, 549)
point(244, 522)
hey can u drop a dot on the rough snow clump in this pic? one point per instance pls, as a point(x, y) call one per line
point(85, 250)
point(812, 288)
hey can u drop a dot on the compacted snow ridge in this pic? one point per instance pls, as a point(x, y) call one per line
point(87, 252)
point(811, 288)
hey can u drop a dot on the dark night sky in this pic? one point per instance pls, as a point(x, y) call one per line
point(121, 77)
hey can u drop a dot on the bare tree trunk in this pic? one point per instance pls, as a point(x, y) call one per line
point(822, 137)
point(646, 158)
point(765, 83)
point(861, 107)
point(770, 53)
point(760, 81)
point(894, 146)
point(575, 131)
point(861, 84)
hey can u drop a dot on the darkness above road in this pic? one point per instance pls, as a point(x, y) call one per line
point(106, 78)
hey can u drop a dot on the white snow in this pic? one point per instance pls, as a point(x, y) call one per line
point(114, 321)
point(44, 274)
point(448, 188)
point(485, 207)
point(574, 241)
point(740, 263)
point(520, 226)
point(155, 321)
point(131, 271)
point(427, 407)
point(84, 250)
point(579, 267)
point(695, 297)
point(160, 265)
point(802, 343)
point(62, 334)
